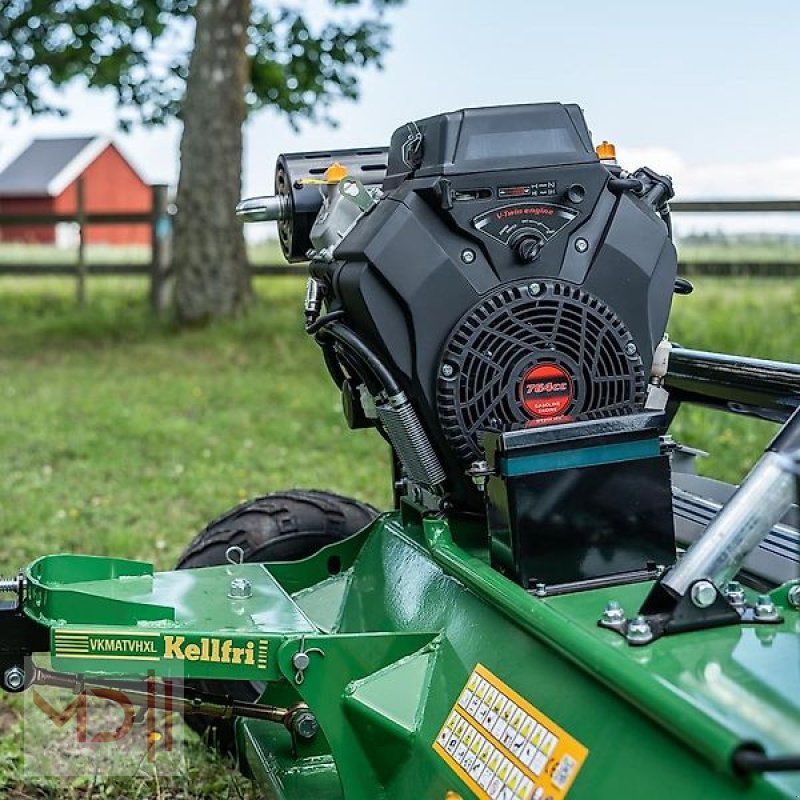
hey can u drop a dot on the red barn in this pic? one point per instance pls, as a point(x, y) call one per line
point(44, 180)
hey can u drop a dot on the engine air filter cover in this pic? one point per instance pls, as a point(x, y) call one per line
point(535, 353)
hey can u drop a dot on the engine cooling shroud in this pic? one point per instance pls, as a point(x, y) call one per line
point(535, 353)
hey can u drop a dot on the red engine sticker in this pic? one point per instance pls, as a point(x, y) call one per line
point(546, 390)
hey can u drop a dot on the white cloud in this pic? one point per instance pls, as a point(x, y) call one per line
point(749, 178)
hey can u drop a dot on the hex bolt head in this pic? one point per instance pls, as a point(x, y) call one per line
point(613, 614)
point(794, 596)
point(240, 589)
point(14, 679)
point(765, 610)
point(734, 593)
point(535, 289)
point(704, 593)
point(305, 724)
point(631, 349)
point(639, 631)
point(448, 370)
point(581, 245)
point(467, 255)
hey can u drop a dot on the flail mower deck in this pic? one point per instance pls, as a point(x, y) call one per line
point(558, 606)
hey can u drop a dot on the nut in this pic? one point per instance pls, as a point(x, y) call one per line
point(794, 596)
point(734, 593)
point(613, 614)
point(639, 631)
point(447, 370)
point(14, 679)
point(240, 589)
point(305, 724)
point(765, 610)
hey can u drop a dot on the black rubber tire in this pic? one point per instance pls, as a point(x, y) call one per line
point(282, 526)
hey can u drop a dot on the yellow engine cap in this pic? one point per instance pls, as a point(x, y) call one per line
point(335, 172)
point(606, 150)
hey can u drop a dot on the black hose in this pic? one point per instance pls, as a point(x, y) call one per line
point(332, 363)
point(342, 334)
point(313, 327)
point(619, 185)
point(747, 760)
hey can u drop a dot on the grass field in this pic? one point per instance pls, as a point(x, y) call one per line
point(750, 249)
point(121, 435)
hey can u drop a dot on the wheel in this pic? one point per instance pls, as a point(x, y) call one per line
point(282, 526)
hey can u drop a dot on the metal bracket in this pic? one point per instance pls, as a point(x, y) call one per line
point(703, 606)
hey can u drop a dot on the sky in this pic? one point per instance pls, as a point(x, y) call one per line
point(705, 90)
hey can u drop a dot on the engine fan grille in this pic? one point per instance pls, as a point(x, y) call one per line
point(548, 337)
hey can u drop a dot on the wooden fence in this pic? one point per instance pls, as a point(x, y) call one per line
point(160, 222)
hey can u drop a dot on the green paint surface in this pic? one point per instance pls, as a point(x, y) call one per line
point(402, 627)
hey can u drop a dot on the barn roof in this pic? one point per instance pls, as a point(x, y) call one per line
point(48, 166)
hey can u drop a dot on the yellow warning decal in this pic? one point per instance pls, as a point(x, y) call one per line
point(505, 749)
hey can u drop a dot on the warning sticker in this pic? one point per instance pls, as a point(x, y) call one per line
point(505, 749)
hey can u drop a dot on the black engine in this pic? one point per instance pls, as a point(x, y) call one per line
point(488, 272)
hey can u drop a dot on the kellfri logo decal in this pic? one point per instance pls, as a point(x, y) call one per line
point(213, 650)
point(158, 646)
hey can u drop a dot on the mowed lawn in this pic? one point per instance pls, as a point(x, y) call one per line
point(122, 436)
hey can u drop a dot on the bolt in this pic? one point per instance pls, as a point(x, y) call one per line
point(14, 679)
point(241, 589)
point(479, 473)
point(630, 348)
point(734, 593)
point(581, 245)
point(794, 596)
point(535, 289)
point(540, 590)
point(639, 631)
point(613, 614)
point(350, 188)
point(765, 610)
point(467, 255)
point(305, 724)
point(704, 594)
point(447, 370)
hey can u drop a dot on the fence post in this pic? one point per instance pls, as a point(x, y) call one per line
point(80, 218)
point(161, 229)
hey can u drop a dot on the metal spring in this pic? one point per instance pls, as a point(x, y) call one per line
point(11, 585)
point(410, 441)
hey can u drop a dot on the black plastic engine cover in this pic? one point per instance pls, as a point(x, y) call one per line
point(427, 275)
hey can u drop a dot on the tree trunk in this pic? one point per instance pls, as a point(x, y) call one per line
point(209, 256)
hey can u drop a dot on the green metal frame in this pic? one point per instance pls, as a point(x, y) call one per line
point(402, 612)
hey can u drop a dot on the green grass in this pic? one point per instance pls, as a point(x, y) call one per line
point(121, 435)
point(266, 252)
point(748, 316)
point(733, 251)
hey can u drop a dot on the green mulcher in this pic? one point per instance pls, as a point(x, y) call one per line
point(558, 605)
